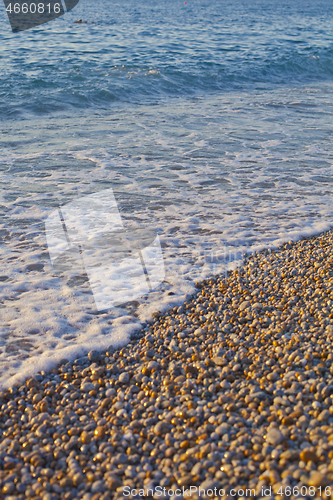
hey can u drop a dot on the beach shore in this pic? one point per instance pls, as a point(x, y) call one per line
point(231, 391)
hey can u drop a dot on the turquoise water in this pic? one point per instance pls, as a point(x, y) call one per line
point(210, 121)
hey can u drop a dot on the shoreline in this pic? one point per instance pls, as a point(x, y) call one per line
point(232, 389)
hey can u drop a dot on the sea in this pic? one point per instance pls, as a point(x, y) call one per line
point(208, 122)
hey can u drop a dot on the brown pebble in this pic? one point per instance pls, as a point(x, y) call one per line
point(307, 455)
point(86, 437)
point(43, 406)
point(318, 479)
point(100, 431)
point(37, 397)
point(288, 421)
point(90, 476)
point(73, 431)
point(274, 477)
point(31, 383)
point(113, 482)
point(106, 403)
point(8, 488)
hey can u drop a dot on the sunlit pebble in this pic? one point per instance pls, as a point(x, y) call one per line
point(245, 391)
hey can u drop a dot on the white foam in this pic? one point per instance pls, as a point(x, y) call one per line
point(249, 177)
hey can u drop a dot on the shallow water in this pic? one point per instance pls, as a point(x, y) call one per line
point(211, 127)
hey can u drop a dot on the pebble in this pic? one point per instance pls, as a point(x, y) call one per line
point(308, 455)
point(244, 305)
point(233, 389)
point(124, 378)
point(274, 437)
point(87, 387)
point(317, 479)
point(94, 356)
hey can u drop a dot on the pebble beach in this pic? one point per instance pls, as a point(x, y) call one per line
point(233, 390)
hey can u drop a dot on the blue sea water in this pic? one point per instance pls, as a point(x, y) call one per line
point(211, 121)
point(145, 52)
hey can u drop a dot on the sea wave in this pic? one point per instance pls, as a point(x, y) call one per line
point(82, 89)
point(145, 53)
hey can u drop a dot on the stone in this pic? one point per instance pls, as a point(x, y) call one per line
point(160, 428)
point(198, 332)
point(196, 469)
point(244, 305)
point(323, 416)
point(290, 455)
point(173, 346)
point(97, 487)
point(94, 356)
point(219, 361)
point(209, 484)
point(317, 479)
point(308, 455)
point(274, 437)
point(8, 488)
point(113, 482)
point(31, 383)
point(329, 329)
point(186, 480)
point(124, 378)
point(87, 387)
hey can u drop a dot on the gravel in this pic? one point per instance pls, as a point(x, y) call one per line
point(231, 390)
